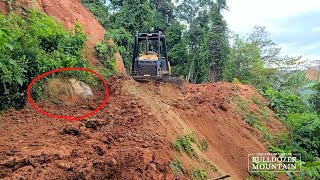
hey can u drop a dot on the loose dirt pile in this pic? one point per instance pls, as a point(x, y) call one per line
point(131, 137)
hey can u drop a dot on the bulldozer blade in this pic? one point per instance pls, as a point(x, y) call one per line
point(166, 79)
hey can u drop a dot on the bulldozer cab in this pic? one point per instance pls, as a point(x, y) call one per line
point(150, 57)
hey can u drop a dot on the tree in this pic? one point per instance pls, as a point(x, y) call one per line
point(217, 42)
point(99, 10)
point(134, 15)
point(269, 50)
point(163, 14)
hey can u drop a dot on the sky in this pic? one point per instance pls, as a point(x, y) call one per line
point(293, 24)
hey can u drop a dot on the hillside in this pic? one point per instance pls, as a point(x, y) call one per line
point(139, 134)
point(131, 137)
point(69, 12)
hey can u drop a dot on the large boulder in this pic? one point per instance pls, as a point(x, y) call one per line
point(69, 91)
point(81, 88)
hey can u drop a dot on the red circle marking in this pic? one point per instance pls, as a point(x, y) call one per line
point(68, 118)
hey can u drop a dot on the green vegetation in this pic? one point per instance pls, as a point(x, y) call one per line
point(198, 53)
point(203, 145)
point(262, 176)
point(176, 167)
point(105, 52)
point(304, 124)
point(201, 49)
point(251, 118)
point(256, 100)
point(198, 174)
point(209, 165)
point(31, 45)
point(184, 143)
point(34, 44)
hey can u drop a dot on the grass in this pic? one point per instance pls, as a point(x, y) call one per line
point(249, 117)
point(266, 135)
point(184, 143)
point(257, 101)
point(176, 167)
point(261, 176)
point(203, 145)
point(198, 174)
point(240, 103)
point(264, 113)
point(252, 119)
point(209, 165)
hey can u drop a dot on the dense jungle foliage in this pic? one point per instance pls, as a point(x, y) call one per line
point(202, 49)
point(31, 45)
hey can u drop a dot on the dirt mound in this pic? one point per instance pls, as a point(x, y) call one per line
point(119, 142)
point(69, 12)
point(131, 137)
point(209, 110)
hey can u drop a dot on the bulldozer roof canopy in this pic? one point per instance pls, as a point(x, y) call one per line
point(150, 36)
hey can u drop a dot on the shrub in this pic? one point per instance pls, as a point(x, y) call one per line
point(31, 45)
point(176, 166)
point(284, 103)
point(316, 98)
point(184, 143)
point(203, 145)
point(198, 174)
point(105, 52)
point(304, 124)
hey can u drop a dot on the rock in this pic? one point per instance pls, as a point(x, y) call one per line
point(66, 165)
point(114, 161)
point(223, 107)
point(81, 88)
point(56, 88)
point(153, 166)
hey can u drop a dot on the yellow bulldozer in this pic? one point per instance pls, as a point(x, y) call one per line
point(150, 59)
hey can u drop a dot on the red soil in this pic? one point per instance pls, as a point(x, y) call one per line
point(131, 137)
point(117, 142)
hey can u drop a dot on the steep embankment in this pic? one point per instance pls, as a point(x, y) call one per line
point(68, 12)
point(131, 137)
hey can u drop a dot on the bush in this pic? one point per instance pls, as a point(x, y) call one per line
point(304, 124)
point(31, 45)
point(184, 143)
point(105, 52)
point(176, 166)
point(198, 174)
point(284, 103)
